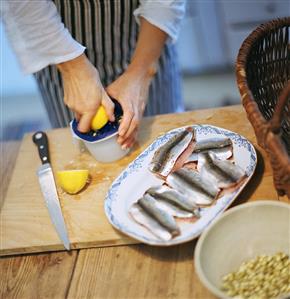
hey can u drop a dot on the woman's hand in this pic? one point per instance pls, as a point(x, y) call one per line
point(83, 91)
point(131, 91)
point(131, 88)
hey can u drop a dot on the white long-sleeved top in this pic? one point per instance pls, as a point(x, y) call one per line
point(39, 38)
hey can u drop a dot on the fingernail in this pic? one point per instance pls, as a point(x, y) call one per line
point(124, 147)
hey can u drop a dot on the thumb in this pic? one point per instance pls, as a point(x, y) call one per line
point(84, 125)
point(109, 106)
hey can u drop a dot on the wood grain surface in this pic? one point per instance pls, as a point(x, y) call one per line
point(167, 273)
point(37, 276)
point(134, 271)
point(26, 225)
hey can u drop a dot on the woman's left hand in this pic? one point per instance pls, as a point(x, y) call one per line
point(131, 91)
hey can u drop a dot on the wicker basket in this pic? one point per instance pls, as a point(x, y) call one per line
point(263, 74)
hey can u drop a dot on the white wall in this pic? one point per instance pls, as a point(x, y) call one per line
point(21, 104)
point(13, 81)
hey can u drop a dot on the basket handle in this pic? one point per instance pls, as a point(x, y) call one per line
point(275, 123)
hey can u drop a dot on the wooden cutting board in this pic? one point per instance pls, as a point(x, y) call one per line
point(25, 222)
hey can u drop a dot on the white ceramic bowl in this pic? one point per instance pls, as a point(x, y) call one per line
point(240, 234)
point(104, 150)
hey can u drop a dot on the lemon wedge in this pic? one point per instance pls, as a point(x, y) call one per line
point(72, 181)
point(100, 119)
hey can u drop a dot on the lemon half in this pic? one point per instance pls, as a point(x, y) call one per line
point(72, 181)
point(100, 119)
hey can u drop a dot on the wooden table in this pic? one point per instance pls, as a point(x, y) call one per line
point(135, 271)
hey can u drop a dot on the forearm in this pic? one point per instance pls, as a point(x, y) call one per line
point(149, 46)
point(77, 64)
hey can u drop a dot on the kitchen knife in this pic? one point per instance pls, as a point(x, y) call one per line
point(48, 188)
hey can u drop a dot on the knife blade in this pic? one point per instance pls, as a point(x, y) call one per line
point(48, 188)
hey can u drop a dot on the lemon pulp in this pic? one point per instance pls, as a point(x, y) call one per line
point(72, 181)
point(100, 119)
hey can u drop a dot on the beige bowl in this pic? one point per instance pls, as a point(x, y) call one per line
point(240, 234)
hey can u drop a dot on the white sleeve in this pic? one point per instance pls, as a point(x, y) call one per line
point(37, 35)
point(164, 14)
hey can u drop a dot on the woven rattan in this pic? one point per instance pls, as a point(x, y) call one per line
point(263, 74)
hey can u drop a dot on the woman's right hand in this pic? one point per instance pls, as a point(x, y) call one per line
point(83, 91)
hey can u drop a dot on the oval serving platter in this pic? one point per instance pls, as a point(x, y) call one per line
point(131, 184)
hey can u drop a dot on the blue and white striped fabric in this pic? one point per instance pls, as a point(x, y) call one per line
point(109, 31)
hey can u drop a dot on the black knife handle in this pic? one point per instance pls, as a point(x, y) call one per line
point(41, 141)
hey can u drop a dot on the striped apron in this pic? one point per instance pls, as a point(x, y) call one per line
point(109, 32)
